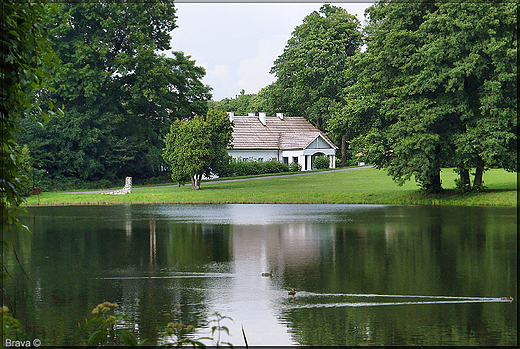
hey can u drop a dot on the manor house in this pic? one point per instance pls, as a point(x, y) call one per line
point(287, 139)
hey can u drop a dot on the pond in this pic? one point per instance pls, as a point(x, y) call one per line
point(363, 274)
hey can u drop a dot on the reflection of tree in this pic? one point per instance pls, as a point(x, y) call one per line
point(153, 242)
point(408, 251)
point(388, 250)
point(68, 258)
point(191, 244)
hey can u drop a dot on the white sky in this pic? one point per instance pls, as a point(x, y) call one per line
point(237, 43)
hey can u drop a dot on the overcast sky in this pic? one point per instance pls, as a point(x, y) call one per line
point(237, 43)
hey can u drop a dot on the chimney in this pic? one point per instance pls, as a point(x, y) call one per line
point(231, 115)
point(251, 114)
point(262, 118)
point(280, 115)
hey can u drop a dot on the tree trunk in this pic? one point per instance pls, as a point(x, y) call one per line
point(431, 181)
point(343, 151)
point(477, 182)
point(435, 182)
point(465, 180)
point(195, 182)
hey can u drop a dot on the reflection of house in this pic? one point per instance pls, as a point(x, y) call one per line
point(287, 139)
point(276, 247)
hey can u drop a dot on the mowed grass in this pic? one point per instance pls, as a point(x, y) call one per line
point(362, 186)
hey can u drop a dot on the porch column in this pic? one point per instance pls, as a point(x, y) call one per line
point(309, 162)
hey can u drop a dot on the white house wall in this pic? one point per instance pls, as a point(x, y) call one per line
point(304, 156)
point(255, 155)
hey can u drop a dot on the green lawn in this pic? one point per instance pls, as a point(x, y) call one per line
point(365, 186)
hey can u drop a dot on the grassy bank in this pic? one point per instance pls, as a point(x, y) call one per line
point(364, 186)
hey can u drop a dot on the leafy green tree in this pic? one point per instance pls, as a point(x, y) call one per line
point(436, 87)
point(271, 98)
point(310, 70)
point(476, 68)
point(356, 113)
point(25, 54)
point(120, 93)
point(198, 147)
point(242, 104)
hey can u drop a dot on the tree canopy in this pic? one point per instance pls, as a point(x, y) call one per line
point(25, 54)
point(120, 92)
point(198, 147)
point(241, 104)
point(310, 70)
point(436, 87)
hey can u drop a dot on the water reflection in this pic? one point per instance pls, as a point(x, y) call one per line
point(379, 275)
point(153, 244)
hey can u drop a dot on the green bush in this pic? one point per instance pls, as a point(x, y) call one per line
point(251, 168)
point(321, 162)
point(295, 167)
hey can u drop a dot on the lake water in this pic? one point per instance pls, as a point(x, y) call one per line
point(363, 274)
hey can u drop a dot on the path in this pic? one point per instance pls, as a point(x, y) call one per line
point(229, 180)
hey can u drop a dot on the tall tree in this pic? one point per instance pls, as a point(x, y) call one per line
point(439, 83)
point(242, 104)
point(198, 147)
point(355, 115)
point(26, 53)
point(476, 47)
point(310, 70)
point(119, 92)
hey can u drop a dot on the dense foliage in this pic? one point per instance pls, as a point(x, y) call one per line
point(250, 168)
point(242, 104)
point(435, 88)
point(310, 70)
point(120, 93)
point(198, 147)
point(321, 162)
point(25, 54)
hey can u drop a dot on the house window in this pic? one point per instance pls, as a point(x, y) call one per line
point(286, 160)
point(295, 159)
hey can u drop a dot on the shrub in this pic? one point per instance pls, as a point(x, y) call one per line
point(295, 167)
point(321, 162)
point(109, 328)
point(275, 166)
point(242, 168)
